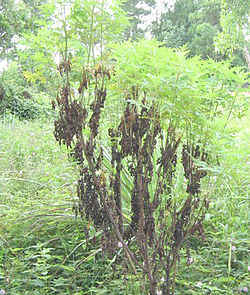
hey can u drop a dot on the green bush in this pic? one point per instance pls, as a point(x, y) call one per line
point(18, 97)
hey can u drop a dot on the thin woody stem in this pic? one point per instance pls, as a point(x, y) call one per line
point(132, 259)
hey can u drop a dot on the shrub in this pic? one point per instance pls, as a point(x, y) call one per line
point(156, 153)
point(18, 97)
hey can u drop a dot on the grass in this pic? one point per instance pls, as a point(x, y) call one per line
point(222, 262)
point(43, 247)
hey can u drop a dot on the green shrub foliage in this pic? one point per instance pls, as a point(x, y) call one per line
point(18, 97)
point(144, 134)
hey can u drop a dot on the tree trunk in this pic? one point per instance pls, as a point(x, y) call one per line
point(247, 56)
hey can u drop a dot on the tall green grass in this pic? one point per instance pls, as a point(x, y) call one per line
point(42, 245)
point(221, 264)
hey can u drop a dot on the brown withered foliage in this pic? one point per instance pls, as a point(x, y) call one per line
point(64, 67)
point(157, 226)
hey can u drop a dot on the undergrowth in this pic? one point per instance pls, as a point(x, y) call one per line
point(21, 98)
point(43, 246)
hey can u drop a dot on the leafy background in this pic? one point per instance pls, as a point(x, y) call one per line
point(43, 245)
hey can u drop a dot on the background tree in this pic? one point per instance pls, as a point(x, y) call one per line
point(136, 10)
point(17, 17)
point(234, 19)
point(189, 21)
